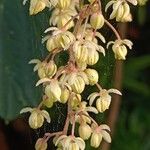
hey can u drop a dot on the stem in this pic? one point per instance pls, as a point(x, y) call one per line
point(49, 135)
point(113, 29)
point(98, 86)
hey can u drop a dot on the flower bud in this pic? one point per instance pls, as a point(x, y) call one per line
point(96, 139)
point(36, 120)
point(76, 99)
point(92, 76)
point(103, 104)
point(93, 59)
point(78, 85)
point(63, 4)
point(53, 90)
point(64, 95)
point(85, 131)
point(36, 6)
point(52, 44)
point(41, 70)
point(120, 52)
point(49, 102)
point(97, 20)
point(50, 69)
point(41, 144)
point(73, 146)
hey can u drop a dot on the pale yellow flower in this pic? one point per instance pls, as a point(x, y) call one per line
point(120, 48)
point(58, 39)
point(104, 100)
point(100, 132)
point(84, 131)
point(142, 2)
point(121, 10)
point(44, 69)
point(92, 76)
point(70, 142)
point(37, 6)
point(37, 116)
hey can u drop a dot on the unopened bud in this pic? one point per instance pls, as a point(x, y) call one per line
point(96, 139)
point(85, 131)
point(36, 6)
point(97, 20)
point(41, 144)
point(92, 76)
point(64, 95)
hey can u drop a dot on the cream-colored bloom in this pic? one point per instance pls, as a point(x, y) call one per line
point(37, 116)
point(85, 50)
point(53, 90)
point(71, 142)
point(121, 10)
point(75, 101)
point(100, 132)
point(83, 110)
point(41, 144)
point(84, 131)
point(63, 4)
point(92, 76)
point(59, 39)
point(76, 80)
point(120, 48)
point(64, 95)
point(49, 101)
point(104, 100)
point(44, 69)
point(97, 20)
point(37, 6)
point(60, 17)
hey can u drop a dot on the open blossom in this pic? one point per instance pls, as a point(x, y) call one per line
point(119, 48)
point(104, 100)
point(37, 116)
point(70, 142)
point(86, 51)
point(121, 10)
point(61, 16)
point(44, 69)
point(99, 133)
point(37, 6)
point(58, 39)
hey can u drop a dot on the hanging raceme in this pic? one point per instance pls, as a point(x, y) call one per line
point(75, 27)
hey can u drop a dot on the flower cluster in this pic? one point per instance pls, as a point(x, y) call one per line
point(75, 27)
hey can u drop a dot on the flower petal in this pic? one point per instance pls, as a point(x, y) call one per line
point(27, 109)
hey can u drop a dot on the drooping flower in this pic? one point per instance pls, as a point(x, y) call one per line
point(58, 39)
point(84, 131)
point(121, 10)
point(98, 133)
point(92, 76)
point(104, 100)
point(70, 142)
point(120, 48)
point(37, 116)
point(45, 70)
point(97, 20)
point(37, 6)
point(60, 17)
